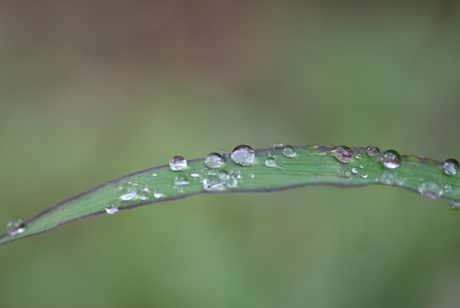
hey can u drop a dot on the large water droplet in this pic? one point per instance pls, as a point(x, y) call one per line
point(111, 209)
point(288, 151)
point(430, 189)
point(177, 163)
point(391, 159)
point(15, 227)
point(270, 162)
point(450, 166)
point(128, 191)
point(214, 160)
point(372, 150)
point(243, 155)
point(343, 154)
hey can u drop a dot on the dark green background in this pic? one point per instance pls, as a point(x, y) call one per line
point(91, 91)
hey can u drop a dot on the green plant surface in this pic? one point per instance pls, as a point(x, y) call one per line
point(248, 170)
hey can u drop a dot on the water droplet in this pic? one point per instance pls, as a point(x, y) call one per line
point(448, 188)
point(243, 155)
point(195, 174)
point(288, 151)
point(354, 170)
point(391, 159)
point(154, 174)
point(343, 154)
point(450, 166)
point(430, 189)
point(455, 205)
point(251, 175)
point(213, 183)
point(111, 209)
point(15, 227)
point(177, 163)
point(372, 150)
point(128, 191)
point(278, 145)
point(180, 180)
point(364, 175)
point(270, 162)
point(358, 156)
point(158, 193)
point(236, 173)
point(388, 177)
point(214, 160)
point(223, 175)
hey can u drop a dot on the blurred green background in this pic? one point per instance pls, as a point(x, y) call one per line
point(93, 90)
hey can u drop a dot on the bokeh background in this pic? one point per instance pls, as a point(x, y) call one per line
point(93, 90)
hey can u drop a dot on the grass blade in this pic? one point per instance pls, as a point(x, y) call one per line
point(246, 170)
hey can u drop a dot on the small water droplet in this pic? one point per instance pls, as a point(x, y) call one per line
point(343, 154)
point(289, 151)
point(372, 150)
point(111, 209)
point(154, 174)
point(158, 193)
point(223, 175)
point(243, 155)
point(430, 189)
point(354, 170)
point(235, 173)
point(213, 183)
point(448, 188)
point(180, 180)
point(195, 174)
point(358, 156)
point(361, 166)
point(455, 205)
point(128, 191)
point(177, 163)
point(214, 160)
point(391, 159)
point(270, 162)
point(388, 177)
point(278, 145)
point(251, 175)
point(15, 227)
point(347, 174)
point(450, 166)
point(364, 175)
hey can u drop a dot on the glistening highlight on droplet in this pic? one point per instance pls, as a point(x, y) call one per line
point(391, 159)
point(243, 155)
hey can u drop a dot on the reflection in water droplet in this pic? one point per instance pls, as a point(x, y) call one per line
point(288, 151)
point(343, 154)
point(177, 163)
point(111, 209)
point(214, 160)
point(391, 159)
point(430, 189)
point(270, 162)
point(15, 227)
point(243, 155)
point(372, 150)
point(128, 191)
point(450, 166)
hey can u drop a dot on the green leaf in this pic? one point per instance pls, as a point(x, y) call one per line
point(246, 170)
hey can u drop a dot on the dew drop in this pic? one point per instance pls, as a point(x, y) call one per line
point(243, 155)
point(358, 156)
point(180, 180)
point(223, 175)
point(388, 178)
point(354, 170)
point(372, 150)
point(235, 173)
point(450, 166)
point(128, 191)
point(195, 174)
point(143, 192)
point(343, 154)
point(270, 162)
point(214, 160)
point(15, 227)
point(213, 183)
point(288, 151)
point(455, 205)
point(177, 163)
point(154, 174)
point(364, 175)
point(430, 189)
point(158, 193)
point(251, 175)
point(391, 159)
point(111, 209)
point(448, 188)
